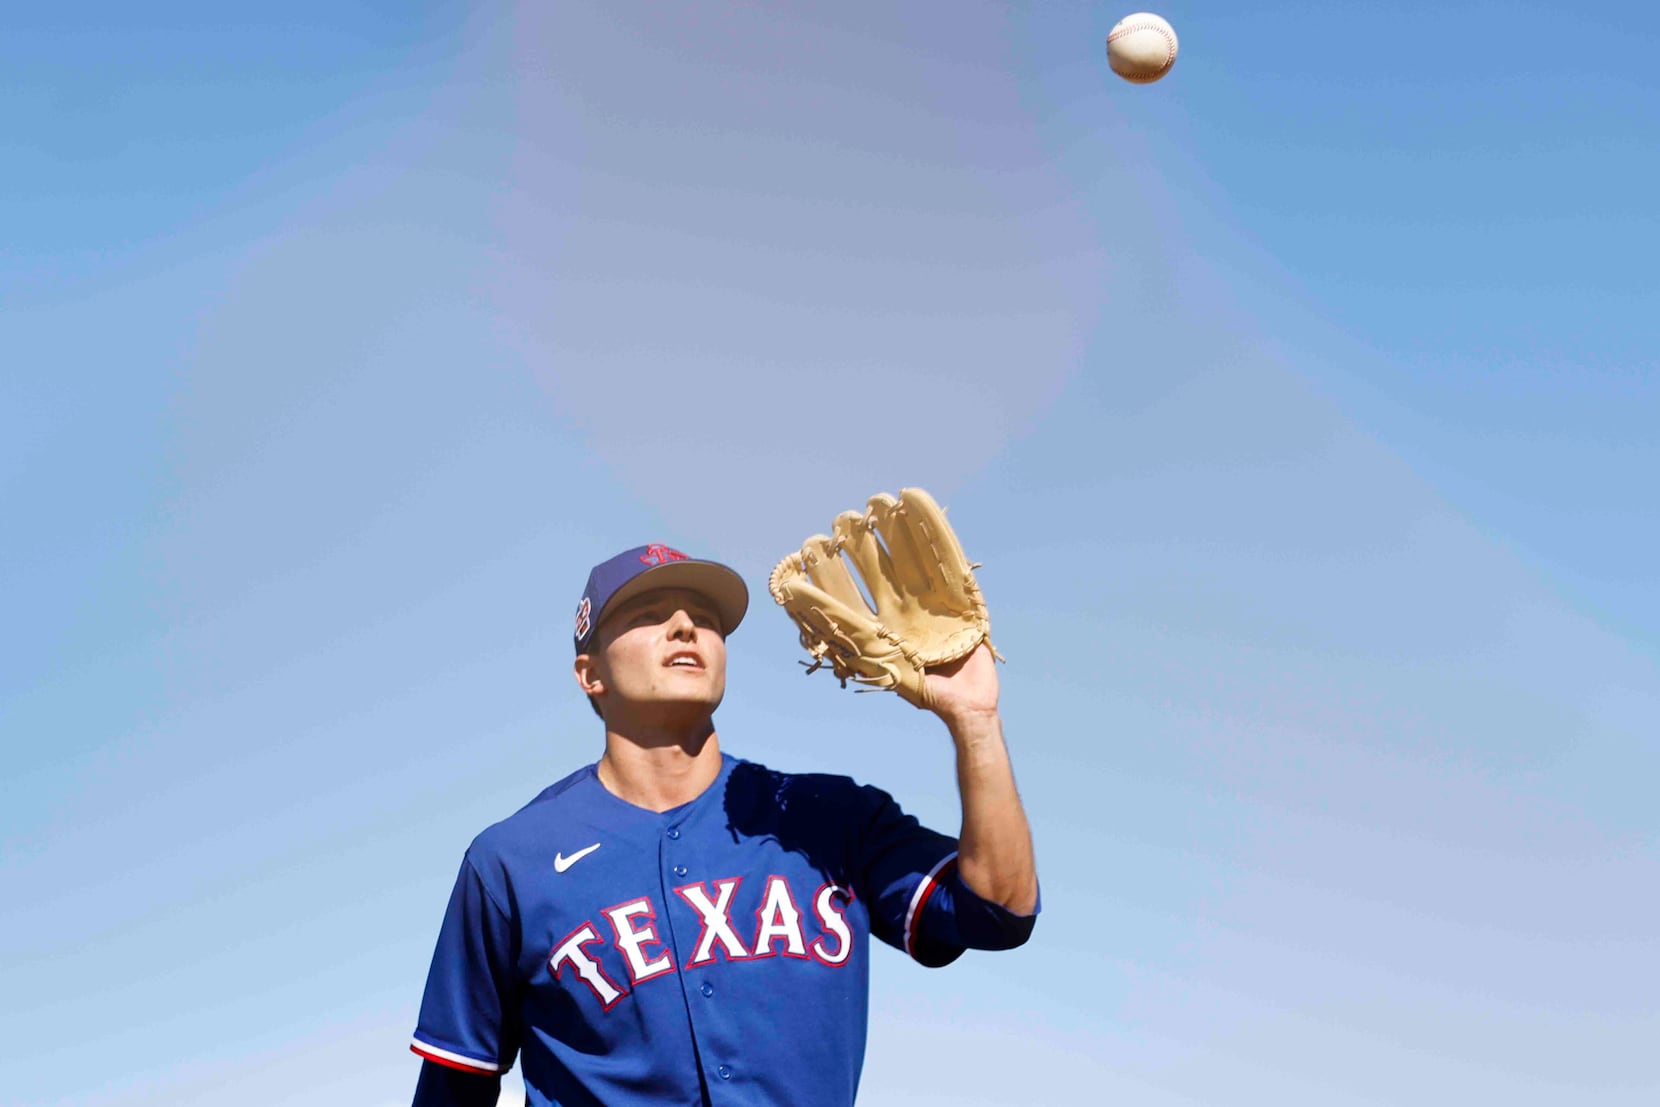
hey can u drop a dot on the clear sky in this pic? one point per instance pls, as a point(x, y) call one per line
point(1302, 407)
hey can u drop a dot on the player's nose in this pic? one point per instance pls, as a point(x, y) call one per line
point(681, 626)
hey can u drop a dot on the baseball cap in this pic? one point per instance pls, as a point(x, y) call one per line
point(653, 566)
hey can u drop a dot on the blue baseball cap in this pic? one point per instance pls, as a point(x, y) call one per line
point(647, 568)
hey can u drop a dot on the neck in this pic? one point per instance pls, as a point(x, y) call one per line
point(658, 771)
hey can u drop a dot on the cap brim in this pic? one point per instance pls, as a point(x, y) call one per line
point(723, 587)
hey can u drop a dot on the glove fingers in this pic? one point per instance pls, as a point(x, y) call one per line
point(902, 525)
point(784, 575)
point(859, 545)
point(830, 575)
point(940, 549)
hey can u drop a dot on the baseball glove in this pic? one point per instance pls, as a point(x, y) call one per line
point(923, 609)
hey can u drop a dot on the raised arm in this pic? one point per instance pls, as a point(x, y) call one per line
point(995, 857)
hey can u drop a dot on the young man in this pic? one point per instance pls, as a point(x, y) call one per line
point(674, 925)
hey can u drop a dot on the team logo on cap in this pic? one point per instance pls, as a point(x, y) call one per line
point(661, 555)
point(584, 617)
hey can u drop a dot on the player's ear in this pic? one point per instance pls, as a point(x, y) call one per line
point(587, 675)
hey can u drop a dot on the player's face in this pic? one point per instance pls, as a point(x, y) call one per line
point(663, 653)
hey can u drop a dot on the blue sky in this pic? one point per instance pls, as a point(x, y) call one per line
point(1301, 407)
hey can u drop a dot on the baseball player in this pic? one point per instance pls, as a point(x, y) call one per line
point(675, 925)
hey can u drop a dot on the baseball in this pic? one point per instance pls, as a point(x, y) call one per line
point(1141, 48)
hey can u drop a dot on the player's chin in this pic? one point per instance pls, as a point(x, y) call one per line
point(708, 698)
point(701, 695)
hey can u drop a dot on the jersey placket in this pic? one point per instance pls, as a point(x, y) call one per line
point(676, 870)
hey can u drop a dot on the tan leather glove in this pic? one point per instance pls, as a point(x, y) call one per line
point(928, 609)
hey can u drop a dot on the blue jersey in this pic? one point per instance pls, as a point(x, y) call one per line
point(715, 953)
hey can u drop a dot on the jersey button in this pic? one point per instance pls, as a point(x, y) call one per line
point(725, 1072)
point(680, 870)
point(707, 989)
point(674, 832)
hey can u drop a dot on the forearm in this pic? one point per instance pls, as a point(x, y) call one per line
point(994, 852)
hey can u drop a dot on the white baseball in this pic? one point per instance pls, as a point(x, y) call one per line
point(1141, 48)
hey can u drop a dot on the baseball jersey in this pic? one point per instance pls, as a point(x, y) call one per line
point(716, 953)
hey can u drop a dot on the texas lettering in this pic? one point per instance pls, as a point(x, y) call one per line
point(779, 929)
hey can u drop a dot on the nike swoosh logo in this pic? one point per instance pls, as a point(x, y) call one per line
point(561, 862)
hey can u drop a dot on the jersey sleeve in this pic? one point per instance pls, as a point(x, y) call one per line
point(917, 901)
point(440, 1086)
point(466, 1021)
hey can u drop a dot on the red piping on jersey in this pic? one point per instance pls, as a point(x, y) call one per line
point(469, 1065)
point(925, 892)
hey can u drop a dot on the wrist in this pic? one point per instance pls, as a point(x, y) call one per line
point(971, 725)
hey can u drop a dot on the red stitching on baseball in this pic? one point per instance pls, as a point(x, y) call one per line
point(1169, 42)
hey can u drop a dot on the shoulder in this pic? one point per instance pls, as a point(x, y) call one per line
point(763, 800)
point(786, 787)
point(529, 829)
